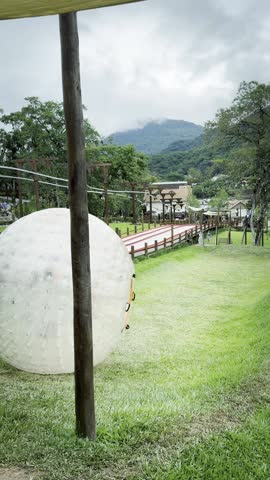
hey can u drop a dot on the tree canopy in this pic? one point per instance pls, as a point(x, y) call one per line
point(38, 131)
point(245, 128)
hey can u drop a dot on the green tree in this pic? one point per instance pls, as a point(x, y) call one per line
point(34, 132)
point(38, 131)
point(220, 201)
point(126, 166)
point(245, 127)
point(192, 201)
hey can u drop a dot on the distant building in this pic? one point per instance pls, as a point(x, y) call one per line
point(181, 192)
point(238, 209)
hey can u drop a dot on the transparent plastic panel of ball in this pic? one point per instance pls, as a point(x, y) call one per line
point(33, 8)
point(36, 311)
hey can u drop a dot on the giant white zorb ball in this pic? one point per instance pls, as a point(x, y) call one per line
point(36, 302)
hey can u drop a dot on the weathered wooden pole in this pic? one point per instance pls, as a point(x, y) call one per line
point(20, 197)
point(134, 213)
point(151, 204)
point(36, 186)
point(106, 183)
point(80, 252)
point(230, 228)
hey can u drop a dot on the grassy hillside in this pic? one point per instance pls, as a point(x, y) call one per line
point(185, 396)
point(156, 136)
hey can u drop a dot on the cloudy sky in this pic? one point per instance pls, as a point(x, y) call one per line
point(156, 59)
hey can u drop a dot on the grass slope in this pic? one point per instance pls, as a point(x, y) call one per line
point(185, 396)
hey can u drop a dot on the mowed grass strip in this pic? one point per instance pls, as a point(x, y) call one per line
point(186, 390)
point(237, 237)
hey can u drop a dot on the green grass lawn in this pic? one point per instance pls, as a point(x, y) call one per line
point(2, 229)
point(186, 395)
point(237, 237)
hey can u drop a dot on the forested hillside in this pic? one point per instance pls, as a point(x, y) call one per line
point(183, 145)
point(157, 136)
point(175, 162)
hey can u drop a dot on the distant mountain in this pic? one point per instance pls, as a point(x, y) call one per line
point(155, 137)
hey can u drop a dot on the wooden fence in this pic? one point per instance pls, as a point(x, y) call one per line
point(186, 237)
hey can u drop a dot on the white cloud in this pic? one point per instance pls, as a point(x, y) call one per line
point(149, 60)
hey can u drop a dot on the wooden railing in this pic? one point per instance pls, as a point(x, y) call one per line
point(187, 237)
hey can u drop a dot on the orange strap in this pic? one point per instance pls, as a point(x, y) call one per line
point(130, 300)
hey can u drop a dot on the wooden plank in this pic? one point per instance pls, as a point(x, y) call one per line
point(35, 8)
point(80, 251)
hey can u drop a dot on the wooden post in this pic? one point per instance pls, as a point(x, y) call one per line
point(145, 249)
point(20, 197)
point(80, 251)
point(135, 228)
point(164, 242)
point(134, 213)
point(156, 245)
point(36, 186)
point(132, 252)
point(106, 182)
point(127, 231)
point(36, 190)
point(171, 234)
point(151, 203)
point(229, 236)
point(230, 227)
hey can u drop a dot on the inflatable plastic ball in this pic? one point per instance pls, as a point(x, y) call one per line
point(36, 300)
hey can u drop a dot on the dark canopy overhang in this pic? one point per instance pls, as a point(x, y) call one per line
point(35, 8)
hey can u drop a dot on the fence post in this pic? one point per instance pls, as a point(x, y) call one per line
point(149, 226)
point(127, 231)
point(156, 245)
point(172, 234)
point(145, 249)
point(155, 224)
point(164, 242)
point(135, 228)
point(179, 238)
point(132, 252)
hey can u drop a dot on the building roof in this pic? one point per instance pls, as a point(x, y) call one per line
point(168, 183)
point(236, 204)
point(36, 8)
